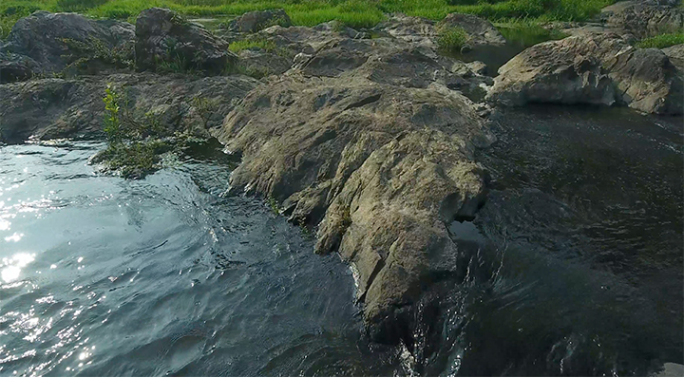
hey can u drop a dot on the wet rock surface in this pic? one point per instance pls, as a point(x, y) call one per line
point(599, 69)
point(383, 167)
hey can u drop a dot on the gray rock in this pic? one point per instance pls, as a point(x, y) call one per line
point(59, 108)
point(590, 69)
point(258, 63)
point(382, 167)
point(480, 31)
point(15, 67)
point(53, 41)
point(672, 370)
point(414, 30)
point(644, 18)
point(256, 21)
point(162, 37)
point(676, 55)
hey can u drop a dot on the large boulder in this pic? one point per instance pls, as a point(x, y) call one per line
point(382, 167)
point(53, 41)
point(644, 19)
point(479, 31)
point(251, 22)
point(73, 108)
point(598, 69)
point(164, 39)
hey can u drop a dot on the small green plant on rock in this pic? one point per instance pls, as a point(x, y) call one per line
point(112, 126)
point(241, 45)
point(451, 39)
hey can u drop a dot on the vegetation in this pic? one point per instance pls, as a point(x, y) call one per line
point(452, 40)
point(138, 147)
point(353, 13)
point(662, 41)
point(527, 32)
point(241, 45)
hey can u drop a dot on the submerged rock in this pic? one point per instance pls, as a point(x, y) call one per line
point(598, 69)
point(51, 42)
point(59, 108)
point(165, 39)
point(251, 22)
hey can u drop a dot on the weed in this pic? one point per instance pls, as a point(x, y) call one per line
point(662, 41)
point(452, 39)
point(241, 45)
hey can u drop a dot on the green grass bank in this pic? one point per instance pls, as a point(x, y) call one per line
point(354, 13)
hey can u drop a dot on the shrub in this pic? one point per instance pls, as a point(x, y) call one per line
point(452, 39)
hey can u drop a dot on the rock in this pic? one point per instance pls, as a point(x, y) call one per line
point(258, 63)
point(676, 55)
point(256, 21)
point(381, 167)
point(413, 30)
point(15, 67)
point(600, 69)
point(162, 37)
point(672, 370)
point(60, 108)
point(480, 31)
point(644, 18)
point(391, 61)
point(53, 41)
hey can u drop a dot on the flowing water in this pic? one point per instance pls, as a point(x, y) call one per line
point(572, 267)
point(164, 276)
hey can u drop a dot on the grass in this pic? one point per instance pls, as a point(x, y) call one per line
point(352, 13)
point(452, 39)
point(662, 41)
point(241, 45)
point(527, 32)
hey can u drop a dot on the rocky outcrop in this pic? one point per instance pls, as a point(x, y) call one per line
point(381, 161)
point(591, 69)
point(425, 33)
point(46, 43)
point(252, 22)
point(164, 38)
point(59, 108)
point(644, 19)
point(414, 30)
point(480, 31)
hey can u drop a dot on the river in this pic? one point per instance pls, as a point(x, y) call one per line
point(572, 267)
